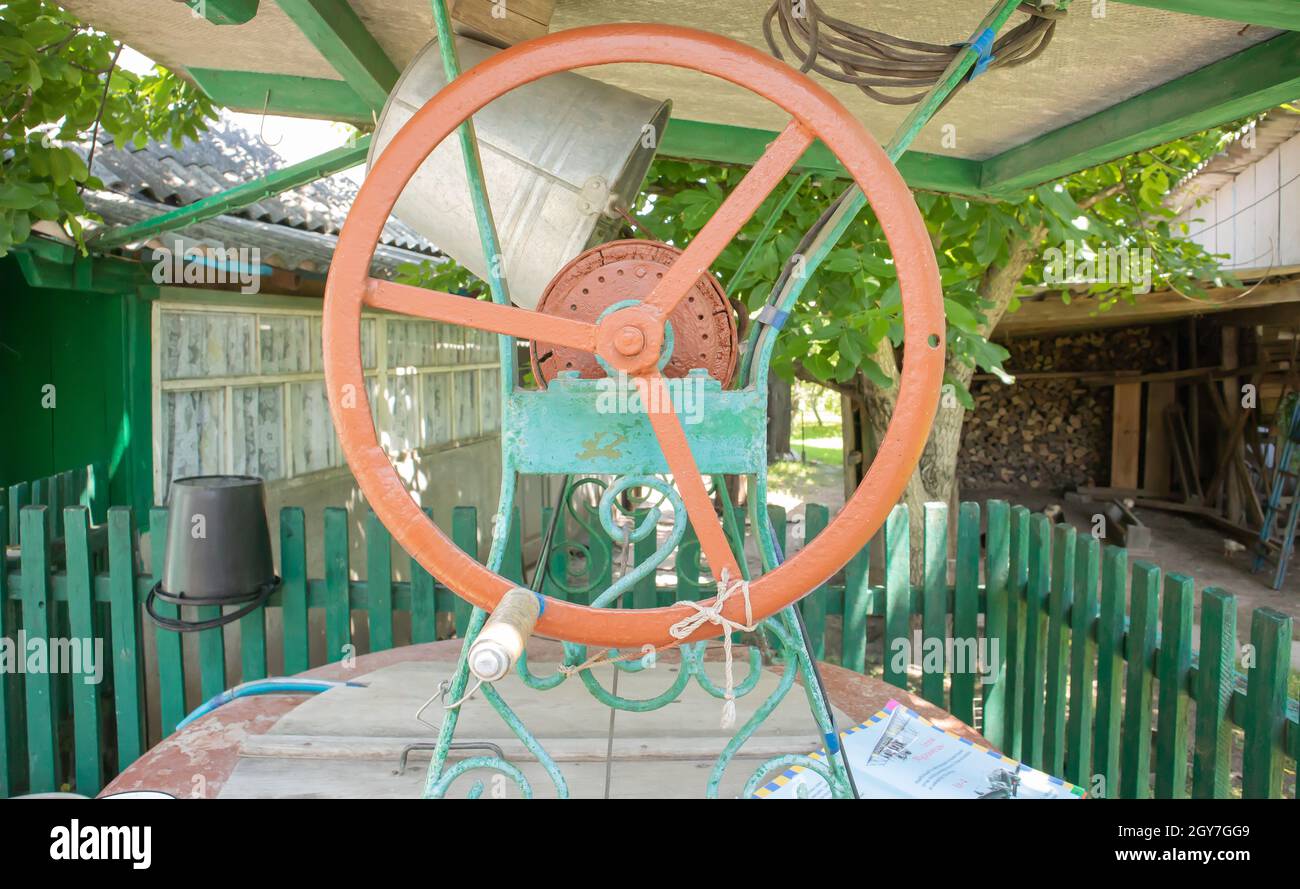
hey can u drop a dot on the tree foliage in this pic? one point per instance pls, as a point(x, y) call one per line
point(852, 305)
point(58, 79)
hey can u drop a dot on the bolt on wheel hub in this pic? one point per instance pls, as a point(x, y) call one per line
point(704, 327)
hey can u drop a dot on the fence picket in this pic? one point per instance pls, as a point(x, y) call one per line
point(124, 625)
point(1018, 583)
point(813, 606)
point(1216, 681)
point(171, 661)
point(96, 492)
point(42, 755)
point(87, 773)
point(464, 533)
point(252, 645)
point(1110, 669)
point(212, 654)
point(934, 603)
point(54, 507)
point(857, 597)
point(1140, 650)
point(20, 495)
point(1036, 602)
point(1058, 641)
point(1174, 663)
point(293, 589)
point(1266, 704)
point(379, 583)
point(13, 745)
point(898, 595)
point(965, 613)
point(424, 601)
point(1083, 661)
point(997, 566)
point(338, 596)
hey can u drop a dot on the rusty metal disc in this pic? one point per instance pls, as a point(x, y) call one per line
point(704, 327)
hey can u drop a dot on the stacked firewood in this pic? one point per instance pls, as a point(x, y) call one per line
point(1053, 433)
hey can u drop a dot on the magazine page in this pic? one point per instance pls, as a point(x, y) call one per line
point(898, 754)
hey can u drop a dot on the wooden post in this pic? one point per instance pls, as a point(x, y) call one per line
point(1156, 460)
point(1125, 435)
point(1232, 399)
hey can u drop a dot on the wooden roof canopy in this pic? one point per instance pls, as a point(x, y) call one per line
point(1118, 77)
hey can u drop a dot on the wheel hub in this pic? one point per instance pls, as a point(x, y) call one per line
point(704, 328)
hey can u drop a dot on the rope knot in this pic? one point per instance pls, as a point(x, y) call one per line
point(712, 614)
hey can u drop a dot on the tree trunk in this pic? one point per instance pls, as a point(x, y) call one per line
point(779, 411)
point(935, 478)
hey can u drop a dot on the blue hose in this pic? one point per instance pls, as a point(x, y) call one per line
point(275, 685)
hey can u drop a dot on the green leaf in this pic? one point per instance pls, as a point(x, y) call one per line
point(872, 372)
point(960, 316)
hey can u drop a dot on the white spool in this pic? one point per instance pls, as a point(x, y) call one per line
point(505, 634)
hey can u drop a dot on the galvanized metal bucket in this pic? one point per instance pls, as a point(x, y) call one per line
point(560, 156)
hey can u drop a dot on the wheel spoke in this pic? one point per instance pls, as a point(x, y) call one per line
point(483, 315)
point(686, 474)
point(744, 200)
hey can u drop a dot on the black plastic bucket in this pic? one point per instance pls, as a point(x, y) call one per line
point(218, 549)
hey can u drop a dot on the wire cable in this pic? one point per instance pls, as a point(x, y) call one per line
point(874, 61)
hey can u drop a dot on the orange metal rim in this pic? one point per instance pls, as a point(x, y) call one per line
point(813, 108)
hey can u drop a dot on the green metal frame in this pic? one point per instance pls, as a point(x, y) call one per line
point(225, 12)
point(1284, 14)
point(342, 38)
point(240, 196)
point(1249, 82)
point(726, 144)
point(284, 94)
point(1254, 80)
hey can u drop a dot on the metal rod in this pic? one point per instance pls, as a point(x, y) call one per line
point(487, 229)
point(548, 540)
point(236, 198)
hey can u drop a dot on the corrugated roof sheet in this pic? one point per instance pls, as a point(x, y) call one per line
point(164, 176)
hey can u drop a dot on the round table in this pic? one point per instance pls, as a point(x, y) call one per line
point(198, 760)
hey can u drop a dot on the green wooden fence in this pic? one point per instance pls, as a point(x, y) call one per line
point(1107, 696)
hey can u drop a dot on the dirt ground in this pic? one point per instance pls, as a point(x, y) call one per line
point(1179, 544)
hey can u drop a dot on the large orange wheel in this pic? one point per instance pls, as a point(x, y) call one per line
point(630, 339)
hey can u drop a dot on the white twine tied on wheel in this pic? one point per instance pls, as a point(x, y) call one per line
point(712, 614)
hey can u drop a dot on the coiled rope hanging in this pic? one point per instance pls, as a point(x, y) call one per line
point(872, 60)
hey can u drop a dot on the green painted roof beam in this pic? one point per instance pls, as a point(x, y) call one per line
point(284, 94)
point(1254, 80)
point(342, 38)
point(1284, 14)
point(234, 198)
point(724, 144)
point(224, 12)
